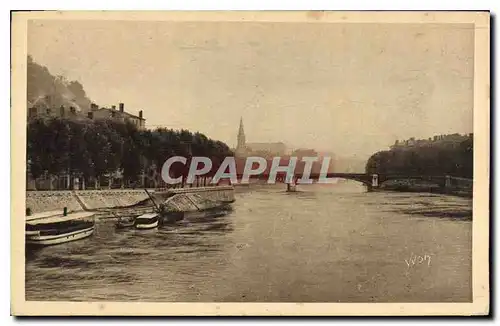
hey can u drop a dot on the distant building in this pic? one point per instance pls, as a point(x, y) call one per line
point(48, 112)
point(274, 149)
point(451, 140)
point(258, 149)
point(304, 152)
point(118, 115)
point(43, 109)
point(241, 145)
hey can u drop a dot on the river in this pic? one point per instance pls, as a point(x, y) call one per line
point(326, 243)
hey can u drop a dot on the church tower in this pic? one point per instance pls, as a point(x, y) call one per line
point(240, 147)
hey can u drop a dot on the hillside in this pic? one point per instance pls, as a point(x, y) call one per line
point(49, 91)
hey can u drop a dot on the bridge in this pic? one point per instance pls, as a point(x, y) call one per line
point(369, 180)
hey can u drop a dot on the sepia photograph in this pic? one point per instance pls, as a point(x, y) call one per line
point(250, 163)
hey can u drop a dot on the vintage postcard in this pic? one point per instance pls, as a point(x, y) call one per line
point(250, 163)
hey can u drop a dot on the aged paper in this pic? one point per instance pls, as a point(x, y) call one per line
point(389, 217)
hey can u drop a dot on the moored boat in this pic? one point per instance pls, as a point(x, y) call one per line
point(177, 207)
point(146, 221)
point(190, 206)
point(125, 222)
point(52, 228)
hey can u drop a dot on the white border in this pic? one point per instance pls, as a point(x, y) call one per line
point(197, 5)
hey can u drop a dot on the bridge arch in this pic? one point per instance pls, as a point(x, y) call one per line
point(368, 180)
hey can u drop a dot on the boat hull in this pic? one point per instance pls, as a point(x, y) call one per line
point(142, 226)
point(146, 221)
point(47, 240)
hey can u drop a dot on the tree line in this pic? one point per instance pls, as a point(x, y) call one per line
point(433, 159)
point(90, 149)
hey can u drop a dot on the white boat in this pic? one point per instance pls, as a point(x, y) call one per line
point(50, 228)
point(146, 221)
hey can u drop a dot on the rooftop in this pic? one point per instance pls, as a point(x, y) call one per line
point(122, 112)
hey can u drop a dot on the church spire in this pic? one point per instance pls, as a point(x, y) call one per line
point(241, 136)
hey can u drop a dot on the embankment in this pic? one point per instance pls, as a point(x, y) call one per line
point(221, 193)
point(456, 189)
point(45, 201)
point(93, 200)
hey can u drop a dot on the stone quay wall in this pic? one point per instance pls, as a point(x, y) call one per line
point(46, 201)
point(220, 193)
point(81, 200)
point(96, 199)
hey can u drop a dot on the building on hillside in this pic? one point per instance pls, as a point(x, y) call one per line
point(43, 108)
point(117, 115)
point(61, 112)
point(52, 106)
point(257, 149)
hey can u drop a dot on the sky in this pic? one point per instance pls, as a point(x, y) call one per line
point(350, 89)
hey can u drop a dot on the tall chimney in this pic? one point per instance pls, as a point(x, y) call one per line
point(61, 110)
point(121, 107)
point(140, 114)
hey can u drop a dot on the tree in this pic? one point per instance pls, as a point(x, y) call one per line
point(91, 149)
point(437, 159)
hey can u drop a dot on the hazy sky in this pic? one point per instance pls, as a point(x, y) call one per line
point(345, 88)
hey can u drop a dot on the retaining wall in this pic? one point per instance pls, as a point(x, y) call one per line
point(220, 193)
point(45, 201)
point(79, 200)
point(95, 199)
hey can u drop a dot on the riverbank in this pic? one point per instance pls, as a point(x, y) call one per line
point(110, 200)
point(422, 186)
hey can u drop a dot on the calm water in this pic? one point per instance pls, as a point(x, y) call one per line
point(328, 243)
